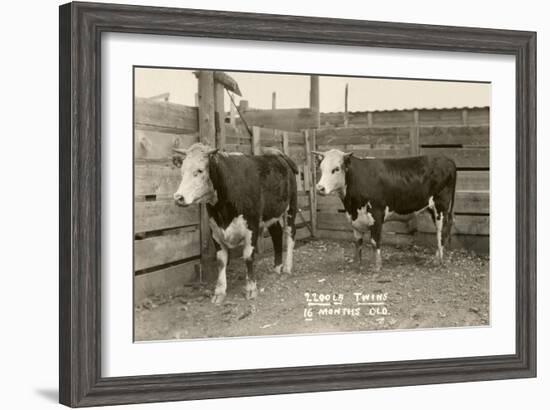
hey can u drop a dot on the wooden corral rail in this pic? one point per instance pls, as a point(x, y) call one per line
point(426, 132)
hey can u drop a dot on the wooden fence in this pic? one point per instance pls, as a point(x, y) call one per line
point(167, 238)
point(167, 247)
point(420, 132)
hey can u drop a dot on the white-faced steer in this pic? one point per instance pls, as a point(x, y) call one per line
point(374, 191)
point(243, 194)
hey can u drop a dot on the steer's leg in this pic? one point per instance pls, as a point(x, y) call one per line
point(376, 237)
point(250, 242)
point(222, 256)
point(443, 220)
point(276, 233)
point(358, 235)
point(290, 233)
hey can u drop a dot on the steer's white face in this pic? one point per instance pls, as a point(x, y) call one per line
point(333, 179)
point(195, 186)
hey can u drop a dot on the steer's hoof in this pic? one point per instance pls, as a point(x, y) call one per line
point(251, 294)
point(218, 299)
point(287, 269)
point(377, 268)
point(277, 269)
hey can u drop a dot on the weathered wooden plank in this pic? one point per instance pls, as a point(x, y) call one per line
point(289, 119)
point(170, 247)
point(330, 203)
point(164, 214)
point(377, 152)
point(166, 115)
point(393, 117)
point(476, 243)
point(465, 202)
point(478, 116)
point(472, 180)
point(243, 148)
point(473, 243)
point(157, 179)
point(165, 280)
point(363, 135)
point(472, 202)
point(156, 145)
point(338, 221)
point(440, 117)
point(454, 135)
point(389, 238)
point(463, 224)
point(404, 151)
point(463, 157)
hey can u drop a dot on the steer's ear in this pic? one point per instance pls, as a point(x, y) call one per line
point(319, 156)
point(177, 160)
point(212, 151)
point(347, 159)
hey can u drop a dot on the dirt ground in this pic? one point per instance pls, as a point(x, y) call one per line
point(328, 293)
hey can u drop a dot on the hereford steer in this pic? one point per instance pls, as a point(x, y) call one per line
point(243, 194)
point(377, 190)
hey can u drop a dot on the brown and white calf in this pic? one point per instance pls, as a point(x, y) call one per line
point(243, 194)
point(374, 191)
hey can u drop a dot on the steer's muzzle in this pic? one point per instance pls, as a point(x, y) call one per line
point(179, 200)
point(320, 189)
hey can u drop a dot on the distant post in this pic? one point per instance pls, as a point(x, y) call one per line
point(273, 100)
point(314, 103)
point(346, 118)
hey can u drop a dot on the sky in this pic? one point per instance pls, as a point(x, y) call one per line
point(365, 94)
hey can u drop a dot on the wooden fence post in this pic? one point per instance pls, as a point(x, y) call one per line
point(285, 142)
point(256, 141)
point(312, 181)
point(207, 135)
point(219, 115)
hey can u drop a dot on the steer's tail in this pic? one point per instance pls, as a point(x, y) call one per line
point(285, 158)
point(450, 214)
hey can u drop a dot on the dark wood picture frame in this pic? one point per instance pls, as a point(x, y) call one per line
point(81, 27)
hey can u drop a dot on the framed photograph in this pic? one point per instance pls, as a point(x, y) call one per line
point(261, 204)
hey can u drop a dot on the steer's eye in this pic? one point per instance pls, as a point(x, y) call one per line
point(197, 172)
point(335, 170)
point(200, 171)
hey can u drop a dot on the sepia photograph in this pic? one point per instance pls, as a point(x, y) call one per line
point(271, 204)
